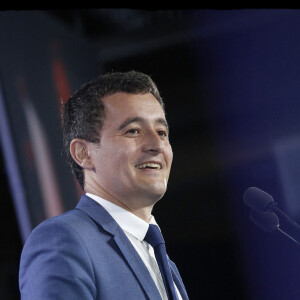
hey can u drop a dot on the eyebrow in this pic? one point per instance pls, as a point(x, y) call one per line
point(141, 120)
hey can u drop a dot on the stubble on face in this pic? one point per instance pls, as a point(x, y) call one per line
point(134, 157)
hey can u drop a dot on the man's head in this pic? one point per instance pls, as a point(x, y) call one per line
point(111, 126)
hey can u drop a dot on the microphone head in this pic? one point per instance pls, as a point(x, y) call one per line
point(267, 221)
point(257, 199)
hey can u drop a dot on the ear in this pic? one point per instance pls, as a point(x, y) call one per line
point(79, 152)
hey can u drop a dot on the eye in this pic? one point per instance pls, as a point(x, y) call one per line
point(162, 133)
point(133, 131)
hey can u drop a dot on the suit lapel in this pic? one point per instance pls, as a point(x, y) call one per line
point(104, 219)
point(137, 265)
point(179, 284)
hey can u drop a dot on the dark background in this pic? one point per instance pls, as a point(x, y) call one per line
point(231, 83)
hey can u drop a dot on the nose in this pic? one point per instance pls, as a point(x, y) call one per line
point(153, 143)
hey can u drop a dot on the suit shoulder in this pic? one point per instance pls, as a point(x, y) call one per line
point(52, 254)
point(74, 223)
point(72, 218)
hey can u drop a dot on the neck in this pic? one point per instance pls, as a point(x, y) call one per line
point(135, 207)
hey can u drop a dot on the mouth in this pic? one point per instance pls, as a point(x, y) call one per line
point(149, 165)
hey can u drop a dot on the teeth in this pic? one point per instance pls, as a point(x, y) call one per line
point(150, 165)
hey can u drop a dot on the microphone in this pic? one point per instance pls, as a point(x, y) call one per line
point(258, 199)
point(267, 221)
point(264, 212)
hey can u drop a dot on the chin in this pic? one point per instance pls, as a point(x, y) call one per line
point(154, 192)
point(157, 194)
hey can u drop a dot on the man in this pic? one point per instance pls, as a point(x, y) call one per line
point(116, 136)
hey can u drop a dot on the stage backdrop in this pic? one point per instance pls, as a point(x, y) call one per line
point(231, 87)
point(41, 64)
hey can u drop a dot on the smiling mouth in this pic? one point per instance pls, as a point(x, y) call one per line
point(149, 165)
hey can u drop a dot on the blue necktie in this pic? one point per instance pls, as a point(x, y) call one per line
point(155, 239)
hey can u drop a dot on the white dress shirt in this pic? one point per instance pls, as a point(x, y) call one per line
point(135, 229)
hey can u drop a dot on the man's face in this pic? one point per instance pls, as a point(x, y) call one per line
point(133, 161)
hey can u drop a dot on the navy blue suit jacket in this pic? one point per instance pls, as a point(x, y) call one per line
point(84, 254)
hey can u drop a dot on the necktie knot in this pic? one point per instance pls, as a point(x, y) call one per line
point(154, 236)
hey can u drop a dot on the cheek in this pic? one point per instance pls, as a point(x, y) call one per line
point(121, 158)
point(118, 156)
point(169, 154)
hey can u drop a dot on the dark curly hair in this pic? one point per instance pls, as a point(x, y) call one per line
point(84, 112)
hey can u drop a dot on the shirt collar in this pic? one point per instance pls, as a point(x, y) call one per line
point(126, 220)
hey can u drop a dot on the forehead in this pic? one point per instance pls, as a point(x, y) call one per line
point(121, 105)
